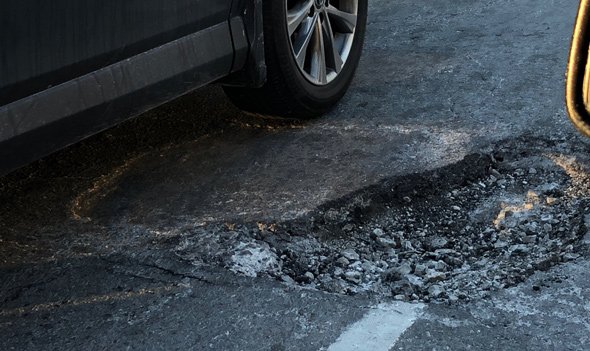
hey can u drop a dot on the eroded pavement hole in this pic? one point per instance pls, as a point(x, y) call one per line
point(455, 233)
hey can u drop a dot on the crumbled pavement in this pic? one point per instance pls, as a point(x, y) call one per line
point(456, 233)
point(481, 214)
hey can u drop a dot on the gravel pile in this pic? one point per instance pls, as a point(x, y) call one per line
point(452, 234)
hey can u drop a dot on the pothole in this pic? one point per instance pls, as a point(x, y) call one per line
point(457, 233)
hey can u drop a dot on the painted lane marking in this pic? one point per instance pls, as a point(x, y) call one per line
point(379, 329)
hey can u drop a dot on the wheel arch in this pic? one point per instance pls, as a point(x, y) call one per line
point(249, 67)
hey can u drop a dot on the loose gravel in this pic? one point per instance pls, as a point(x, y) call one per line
point(457, 233)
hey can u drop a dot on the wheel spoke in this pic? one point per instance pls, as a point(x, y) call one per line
point(318, 63)
point(321, 36)
point(301, 45)
point(333, 58)
point(296, 15)
point(343, 21)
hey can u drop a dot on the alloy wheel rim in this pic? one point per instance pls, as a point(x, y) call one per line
point(321, 33)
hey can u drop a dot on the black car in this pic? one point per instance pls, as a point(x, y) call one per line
point(70, 68)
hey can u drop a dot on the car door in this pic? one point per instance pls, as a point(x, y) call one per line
point(45, 43)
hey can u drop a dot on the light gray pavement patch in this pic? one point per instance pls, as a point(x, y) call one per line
point(438, 80)
point(551, 311)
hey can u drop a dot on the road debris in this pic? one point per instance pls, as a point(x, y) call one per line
point(462, 237)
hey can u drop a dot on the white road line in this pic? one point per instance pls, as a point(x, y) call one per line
point(379, 329)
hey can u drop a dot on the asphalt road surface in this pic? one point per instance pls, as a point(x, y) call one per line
point(197, 227)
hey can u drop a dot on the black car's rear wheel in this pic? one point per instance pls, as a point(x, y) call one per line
point(312, 49)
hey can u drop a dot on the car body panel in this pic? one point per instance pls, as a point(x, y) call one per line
point(45, 43)
point(116, 79)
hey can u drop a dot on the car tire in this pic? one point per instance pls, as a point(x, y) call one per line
point(301, 82)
